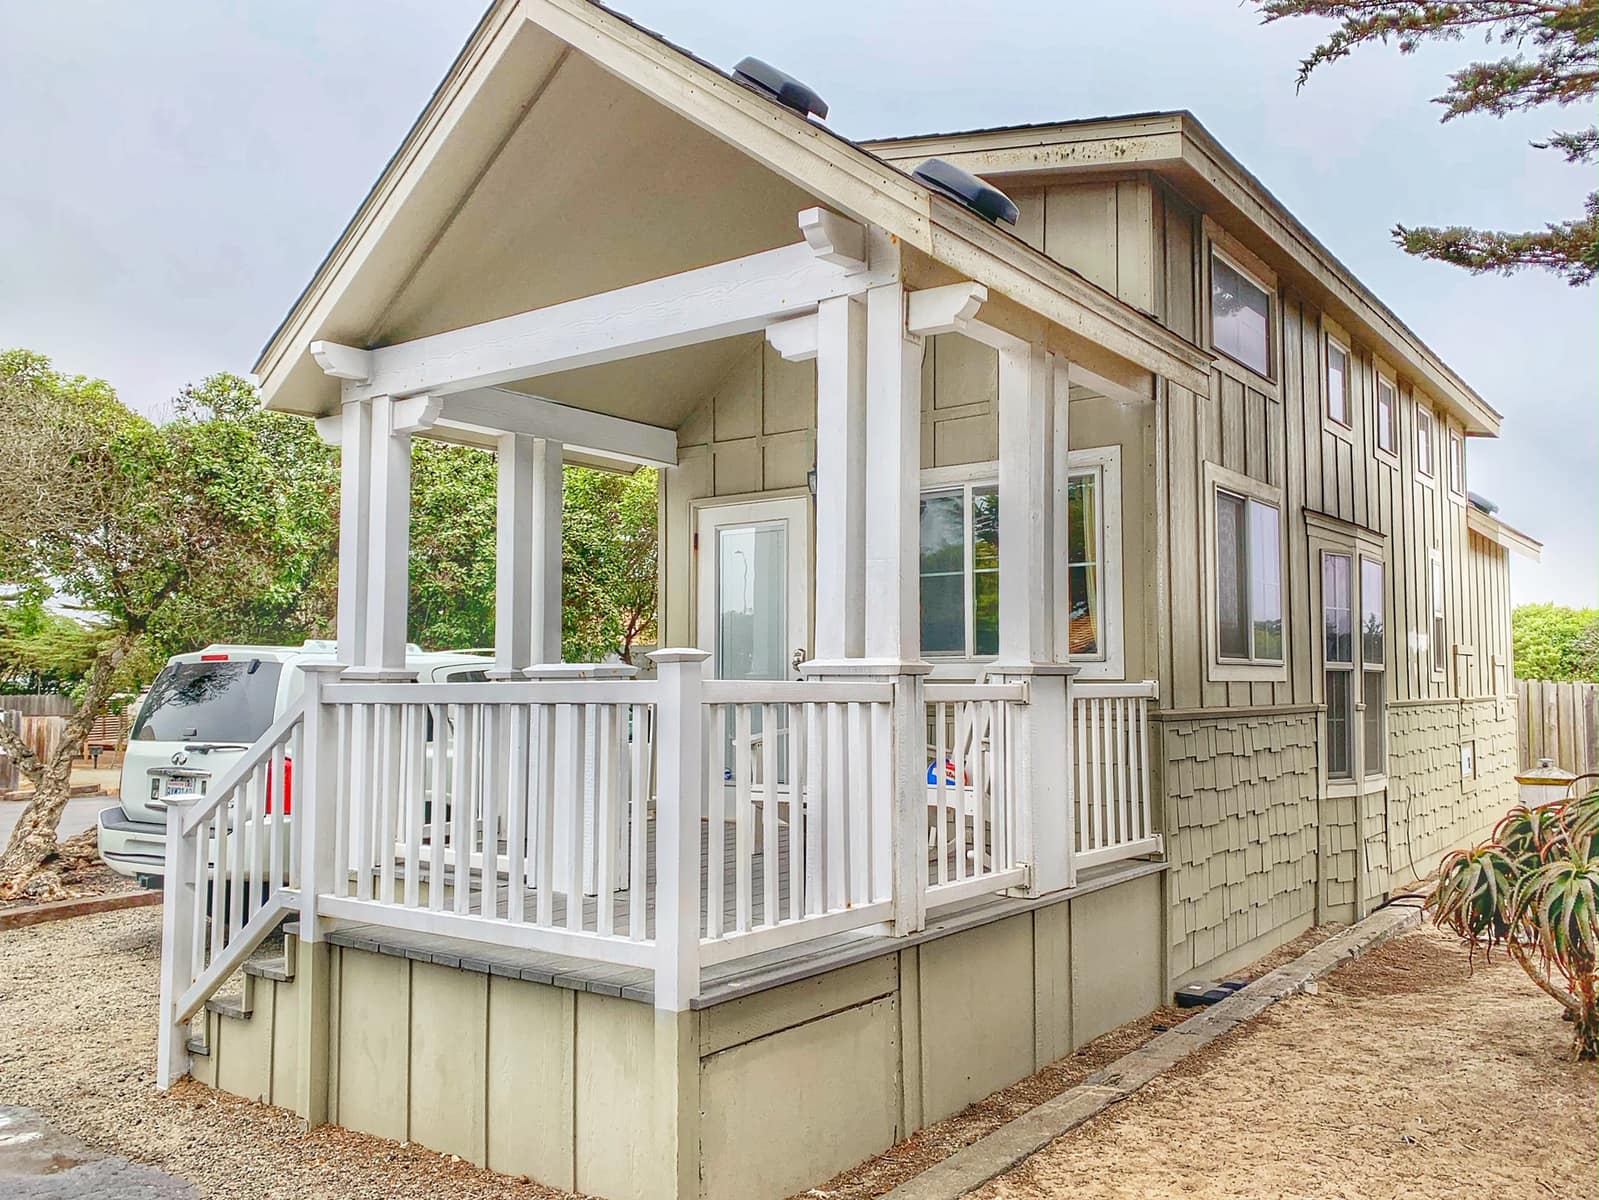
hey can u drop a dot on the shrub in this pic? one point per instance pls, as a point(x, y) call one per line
point(1533, 888)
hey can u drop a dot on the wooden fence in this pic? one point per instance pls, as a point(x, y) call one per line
point(1560, 722)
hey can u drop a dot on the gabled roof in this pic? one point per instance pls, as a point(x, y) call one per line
point(499, 79)
point(1177, 147)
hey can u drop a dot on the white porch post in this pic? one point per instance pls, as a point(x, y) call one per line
point(355, 501)
point(893, 636)
point(840, 480)
point(387, 565)
point(527, 581)
point(679, 793)
point(1031, 505)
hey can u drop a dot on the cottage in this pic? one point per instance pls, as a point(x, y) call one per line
point(1072, 606)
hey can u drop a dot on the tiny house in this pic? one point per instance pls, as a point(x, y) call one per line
point(1073, 588)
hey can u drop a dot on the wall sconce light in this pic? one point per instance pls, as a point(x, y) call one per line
point(810, 480)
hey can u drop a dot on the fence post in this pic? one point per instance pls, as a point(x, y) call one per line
point(316, 812)
point(680, 744)
point(180, 885)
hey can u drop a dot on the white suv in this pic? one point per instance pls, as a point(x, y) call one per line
point(203, 711)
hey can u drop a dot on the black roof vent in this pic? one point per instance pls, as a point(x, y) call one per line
point(1482, 503)
point(780, 86)
point(983, 199)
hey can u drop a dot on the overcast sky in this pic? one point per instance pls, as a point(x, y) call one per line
point(174, 172)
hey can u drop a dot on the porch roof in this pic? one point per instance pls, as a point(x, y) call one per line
point(561, 119)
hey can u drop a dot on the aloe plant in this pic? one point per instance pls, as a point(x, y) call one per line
point(1533, 888)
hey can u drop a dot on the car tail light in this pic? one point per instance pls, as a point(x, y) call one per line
point(288, 789)
point(213, 658)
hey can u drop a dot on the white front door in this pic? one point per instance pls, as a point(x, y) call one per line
point(753, 597)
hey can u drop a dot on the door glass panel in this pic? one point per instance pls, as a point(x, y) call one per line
point(752, 619)
point(943, 534)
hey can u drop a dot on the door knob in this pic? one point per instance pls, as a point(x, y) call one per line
point(799, 658)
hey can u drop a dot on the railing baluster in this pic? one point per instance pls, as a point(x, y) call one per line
point(941, 789)
point(743, 842)
point(638, 828)
point(605, 788)
point(796, 813)
point(516, 813)
point(461, 806)
point(815, 807)
point(388, 777)
point(573, 785)
point(979, 786)
point(837, 796)
point(492, 766)
point(545, 796)
point(771, 856)
point(962, 785)
point(880, 798)
point(1145, 828)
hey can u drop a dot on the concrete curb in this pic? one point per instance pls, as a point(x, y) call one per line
point(59, 910)
point(970, 1168)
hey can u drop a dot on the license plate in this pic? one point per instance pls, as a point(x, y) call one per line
point(181, 787)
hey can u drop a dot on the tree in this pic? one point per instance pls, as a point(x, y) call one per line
point(1554, 61)
point(608, 562)
point(216, 523)
point(43, 651)
point(1553, 642)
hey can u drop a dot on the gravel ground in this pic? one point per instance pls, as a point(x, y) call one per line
point(77, 1006)
point(1407, 1074)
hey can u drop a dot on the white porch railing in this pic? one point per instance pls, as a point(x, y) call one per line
point(669, 824)
point(1110, 729)
point(232, 870)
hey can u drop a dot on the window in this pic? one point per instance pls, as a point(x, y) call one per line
point(1337, 384)
point(1084, 601)
point(1457, 463)
point(1440, 661)
point(1353, 659)
point(960, 570)
point(1373, 659)
point(1385, 415)
point(1249, 603)
point(1240, 316)
point(1424, 464)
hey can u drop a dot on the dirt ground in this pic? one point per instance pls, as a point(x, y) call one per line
point(77, 1011)
point(1406, 1075)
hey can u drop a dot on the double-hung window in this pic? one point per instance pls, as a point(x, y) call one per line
point(1457, 463)
point(1424, 442)
point(1246, 576)
point(960, 570)
point(1354, 648)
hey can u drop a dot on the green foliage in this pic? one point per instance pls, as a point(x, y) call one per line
point(452, 546)
point(608, 562)
point(1561, 69)
point(43, 651)
point(1534, 889)
point(1552, 642)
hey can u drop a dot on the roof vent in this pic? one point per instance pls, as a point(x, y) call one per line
point(780, 86)
point(1482, 503)
point(983, 199)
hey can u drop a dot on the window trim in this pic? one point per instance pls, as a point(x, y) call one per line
point(1231, 670)
point(1428, 474)
point(1385, 380)
point(1331, 536)
point(1455, 439)
point(1110, 663)
point(1218, 242)
point(1343, 429)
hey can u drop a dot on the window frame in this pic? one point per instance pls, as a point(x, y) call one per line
point(1217, 242)
point(1388, 453)
point(1427, 473)
point(1226, 669)
point(1105, 462)
point(1346, 428)
point(966, 479)
point(1455, 439)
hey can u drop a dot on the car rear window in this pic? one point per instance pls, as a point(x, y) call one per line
point(210, 701)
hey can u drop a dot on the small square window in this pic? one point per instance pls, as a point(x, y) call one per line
point(1337, 384)
point(1240, 316)
point(1385, 416)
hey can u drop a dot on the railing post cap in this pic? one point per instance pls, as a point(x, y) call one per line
point(331, 669)
point(687, 654)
